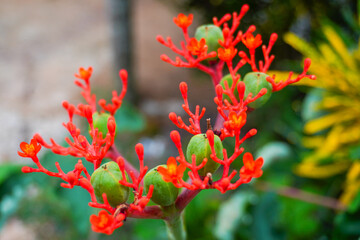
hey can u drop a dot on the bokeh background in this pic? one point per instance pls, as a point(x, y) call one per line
point(308, 134)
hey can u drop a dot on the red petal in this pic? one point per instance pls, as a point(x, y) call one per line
point(180, 170)
point(259, 162)
point(164, 172)
point(23, 146)
point(171, 161)
point(248, 160)
point(258, 173)
point(21, 154)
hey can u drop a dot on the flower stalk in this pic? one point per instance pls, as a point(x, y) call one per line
point(175, 223)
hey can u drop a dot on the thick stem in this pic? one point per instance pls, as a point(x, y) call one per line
point(217, 72)
point(151, 212)
point(185, 198)
point(175, 224)
point(219, 122)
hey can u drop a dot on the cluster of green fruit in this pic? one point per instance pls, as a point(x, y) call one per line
point(254, 81)
point(106, 178)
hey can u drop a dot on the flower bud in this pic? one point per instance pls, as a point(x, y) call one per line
point(212, 34)
point(100, 121)
point(164, 193)
point(254, 82)
point(106, 179)
point(229, 80)
point(199, 145)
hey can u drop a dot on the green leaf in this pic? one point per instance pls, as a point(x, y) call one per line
point(7, 170)
point(354, 152)
point(150, 227)
point(78, 200)
point(128, 118)
point(266, 218)
point(309, 107)
point(355, 204)
point(230, 214)
point(10, 203)
point(292, 211)
point(274, 151)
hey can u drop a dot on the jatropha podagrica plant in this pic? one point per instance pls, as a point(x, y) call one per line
point(213, 47)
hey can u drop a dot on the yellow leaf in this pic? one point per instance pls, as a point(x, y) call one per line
point(300, 45)
point(339, 46)
point(327, 121)
point(312, 170)
point(313, 142)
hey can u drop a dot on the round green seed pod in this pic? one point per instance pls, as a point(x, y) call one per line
point(164, 193)
point(105, 179)
point(199, 145)
point(100, 121)
point(254, 82)
point(212, 34)
point(227, 78)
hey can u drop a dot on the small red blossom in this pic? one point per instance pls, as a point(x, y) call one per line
point(84, 74)
point(29, 150)
point(197, 48)
point(173, 172)
point(227, 54)
point(237, 121)
point(104, 223)
point(183, 21)
point(252, 42)
point(251, 168)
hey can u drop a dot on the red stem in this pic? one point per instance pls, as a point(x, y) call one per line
point(150, 212)
point(113, 153)
point(216, 74)
point(185, 198)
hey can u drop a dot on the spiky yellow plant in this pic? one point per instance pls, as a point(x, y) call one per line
point(334, 125)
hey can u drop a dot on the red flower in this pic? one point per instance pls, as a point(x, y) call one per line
point(251, 168)
point(236, 121)
point(252, 42)
point(197, 47)
point(104, 223)
point(84, 74)
point(183, 21)
point(29, 150)
point(173, 172)
point(227, 54)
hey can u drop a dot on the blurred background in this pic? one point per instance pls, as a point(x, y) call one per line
point(309, 135)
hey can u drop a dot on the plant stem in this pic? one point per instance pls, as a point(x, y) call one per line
point(185, 198)
point(216, 74)
point(301, 195)
point(176, 227)
point(174, 223)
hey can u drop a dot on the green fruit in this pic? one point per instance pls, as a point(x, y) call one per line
point(229, 80)
point(254, 82)
point(105, 179)
point(100, 121)
point(165, 193)
point(199, 145)
point(212, 34)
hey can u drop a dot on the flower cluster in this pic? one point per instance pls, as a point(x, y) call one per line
point(101, 146)
point(234, 99)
